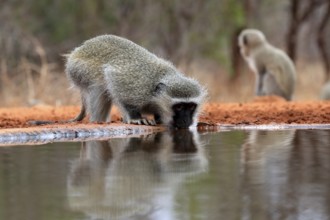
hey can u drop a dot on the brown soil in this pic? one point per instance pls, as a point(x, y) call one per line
point(262, 110)
point(268, 110)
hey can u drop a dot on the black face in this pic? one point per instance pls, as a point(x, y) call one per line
point(183, 114)
point(245, 40)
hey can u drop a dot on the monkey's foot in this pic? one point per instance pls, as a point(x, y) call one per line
point(141, 121)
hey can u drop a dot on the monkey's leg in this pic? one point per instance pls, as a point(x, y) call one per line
point(271, 87)
point(260, 83)
point(133, 116)
point(98, 104)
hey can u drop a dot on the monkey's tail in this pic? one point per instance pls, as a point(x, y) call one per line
point(79, 117)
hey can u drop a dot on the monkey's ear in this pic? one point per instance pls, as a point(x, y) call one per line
point(245, 40)
point(161, 87)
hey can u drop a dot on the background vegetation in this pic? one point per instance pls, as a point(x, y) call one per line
point(198, 36)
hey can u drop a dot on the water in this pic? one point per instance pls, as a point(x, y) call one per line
point(281, 174)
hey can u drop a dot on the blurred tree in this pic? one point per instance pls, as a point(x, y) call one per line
point(249, 8)
point(178, 30)
point(321, 40)
point(300, 11)
point(178, 24)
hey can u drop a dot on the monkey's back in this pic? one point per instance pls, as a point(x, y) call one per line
point(127, 70)
point(131, 69)
point(109, 48)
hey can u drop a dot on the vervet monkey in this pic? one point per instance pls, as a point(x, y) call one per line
point(109, 69)
point(325, 92)
point(275, 72)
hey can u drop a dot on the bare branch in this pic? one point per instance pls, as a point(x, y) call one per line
point(297, 20)
point(313, 4)
point(321, 41)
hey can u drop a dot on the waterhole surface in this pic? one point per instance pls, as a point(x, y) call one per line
point(257, 175)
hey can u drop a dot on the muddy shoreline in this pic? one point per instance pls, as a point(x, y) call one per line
point(260, 111)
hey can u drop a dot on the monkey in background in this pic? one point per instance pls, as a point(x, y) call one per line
point(109, 69)
point(325, 91)
point(275, 72)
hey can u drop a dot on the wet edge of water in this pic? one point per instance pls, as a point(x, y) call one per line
point(48, 135)
point(229, 127)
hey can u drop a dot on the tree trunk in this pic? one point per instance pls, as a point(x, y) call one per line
point(293, 30)
point(236, 58)
point(321, 35)
point(296, 20)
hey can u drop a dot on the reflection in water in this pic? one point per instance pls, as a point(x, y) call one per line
point(311, 178)
point(256, 175)
point(265, 156)
point(284, 175)
point(263, 149)
point(134, 178)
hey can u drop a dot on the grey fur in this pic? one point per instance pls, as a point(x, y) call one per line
point(325, 91)
point(275, 72)
point(108, 69)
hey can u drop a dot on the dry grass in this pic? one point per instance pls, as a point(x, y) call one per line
point(220, 86)
point(47, 85)
point(34, 85)
point(310, 80)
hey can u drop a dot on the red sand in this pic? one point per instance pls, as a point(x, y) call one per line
point(262, 110)
point(268, 110)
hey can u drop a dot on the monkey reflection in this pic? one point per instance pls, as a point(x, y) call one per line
point(258, 150)
point(261, 142)
point(134, 178)
point(263, 159)
point(312, 149)
point(310, 152)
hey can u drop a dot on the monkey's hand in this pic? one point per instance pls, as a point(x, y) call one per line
point(141, 121)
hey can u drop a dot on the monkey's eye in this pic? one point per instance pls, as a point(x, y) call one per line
point(178, 107)
point(159, 88)
point(192, 107)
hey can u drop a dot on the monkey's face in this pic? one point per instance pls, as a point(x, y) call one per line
point(243, 45)
point(183, 114)
point(249, 40)
point(244, 51)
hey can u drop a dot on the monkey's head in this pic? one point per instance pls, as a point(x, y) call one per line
point(249, 39)
point(179, 100)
